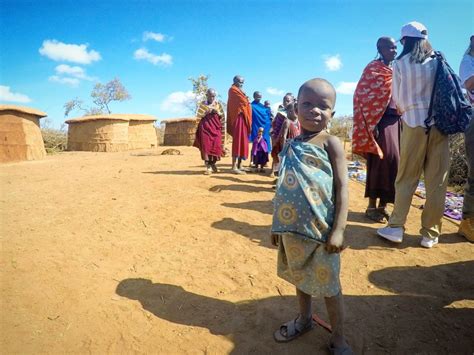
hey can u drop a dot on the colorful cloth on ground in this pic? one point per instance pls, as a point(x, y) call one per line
point(304, 200)
point(306, 264)
point(381, 173)
point(260, 118)
point(371, 98)
point(240, 138)
point(259, 151)
point(237, 104)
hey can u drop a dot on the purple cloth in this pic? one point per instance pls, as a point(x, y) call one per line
point(259, 151)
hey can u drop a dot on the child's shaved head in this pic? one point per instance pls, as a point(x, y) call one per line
point(320, 87)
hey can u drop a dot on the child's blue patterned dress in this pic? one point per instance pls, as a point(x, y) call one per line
point(303, 216)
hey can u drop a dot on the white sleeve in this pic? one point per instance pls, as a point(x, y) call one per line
point(396, 83)
point(466, 68)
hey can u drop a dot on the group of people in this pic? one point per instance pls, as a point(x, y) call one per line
point(391, 103)
point(246, 122)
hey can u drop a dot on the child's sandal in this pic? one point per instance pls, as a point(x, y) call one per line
point(291, 331)
point(374, 214)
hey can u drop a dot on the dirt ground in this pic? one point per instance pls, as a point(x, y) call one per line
point(137, 252)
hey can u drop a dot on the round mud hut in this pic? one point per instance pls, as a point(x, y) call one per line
point(20, 134)
point(180, 131)
point(98, 133)
point(142, 132)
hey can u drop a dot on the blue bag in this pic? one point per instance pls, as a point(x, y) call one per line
point(449, 109)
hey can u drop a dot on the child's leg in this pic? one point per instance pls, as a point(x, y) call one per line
point(335, 308)
point(305, 307)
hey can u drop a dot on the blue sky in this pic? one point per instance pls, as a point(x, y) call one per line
point(54, 51)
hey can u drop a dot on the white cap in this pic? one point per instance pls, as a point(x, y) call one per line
point(414, 29)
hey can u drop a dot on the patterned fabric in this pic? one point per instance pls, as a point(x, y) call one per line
point(371, 98)
point(412, 85)
point(238, 104)
point(307, 265)
point(304, 201)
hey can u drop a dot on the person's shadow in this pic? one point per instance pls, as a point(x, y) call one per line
point(431, 312)
point(248, 324)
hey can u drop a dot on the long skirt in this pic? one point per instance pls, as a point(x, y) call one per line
point(381, 173)
point(209, 136)
point(240, 138)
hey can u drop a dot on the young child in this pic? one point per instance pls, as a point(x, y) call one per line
point(259, 151)
point(310, 214)
point(290, 128)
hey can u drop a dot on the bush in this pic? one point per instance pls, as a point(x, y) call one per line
point(458, 169)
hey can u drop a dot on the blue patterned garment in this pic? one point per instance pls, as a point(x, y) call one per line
point(304, 200)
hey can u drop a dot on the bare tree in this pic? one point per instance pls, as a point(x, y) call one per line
point(200, 87)
point(101, 95)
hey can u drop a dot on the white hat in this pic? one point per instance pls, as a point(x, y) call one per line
point(414, 29)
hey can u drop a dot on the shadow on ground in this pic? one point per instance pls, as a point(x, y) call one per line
point(419, 319)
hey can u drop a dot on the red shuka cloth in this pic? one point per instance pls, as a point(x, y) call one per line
point(209, 136)
point(240, 138)
point(371, 98)
point(238, 103)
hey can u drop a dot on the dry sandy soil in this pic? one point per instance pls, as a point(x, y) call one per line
point(136, 252)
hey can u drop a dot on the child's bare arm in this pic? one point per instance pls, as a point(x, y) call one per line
point(337, 156)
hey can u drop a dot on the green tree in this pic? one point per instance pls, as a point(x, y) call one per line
point(102, 95)
point(200, 87)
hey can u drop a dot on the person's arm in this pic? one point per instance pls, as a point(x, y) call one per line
point(284, 132)
point(337, 157)
point(396, 84)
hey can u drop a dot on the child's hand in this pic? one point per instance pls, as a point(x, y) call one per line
point(275, 238)
point(335, 243)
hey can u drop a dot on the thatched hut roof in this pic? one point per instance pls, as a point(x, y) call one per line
point(180, 120)
point(112, 116)
point(23, 109)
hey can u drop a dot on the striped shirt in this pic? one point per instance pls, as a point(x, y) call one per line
point(412, 85)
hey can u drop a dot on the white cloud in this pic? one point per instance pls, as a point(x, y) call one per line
point(76, 53)
point(64, 80)
point(177, 102)
point(143, 54)
point(7, 95)
point(346, 87)
point(158, 37)
point(333, 63)
point(76, 72)
point(274, 91)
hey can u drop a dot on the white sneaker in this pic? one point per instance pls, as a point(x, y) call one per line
point(428, 242)
point(394, 234)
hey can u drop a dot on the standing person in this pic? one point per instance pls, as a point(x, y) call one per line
point(269, 108)
point(376, 133)
point(209, 131)
point(310, 215)
point(466, 73)
point(289, 129)
point(260, 151)
point(420, 151)
point(260, 119)
point(239, 122)
point(277, 122)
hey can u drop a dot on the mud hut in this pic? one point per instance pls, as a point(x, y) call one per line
point(141, 132)
point(180, 131)
point(20, 134)
point(98, 133)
